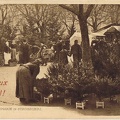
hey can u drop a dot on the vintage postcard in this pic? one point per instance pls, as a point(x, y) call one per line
point(59, 59)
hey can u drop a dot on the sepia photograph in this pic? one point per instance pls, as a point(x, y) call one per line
point(59, 60)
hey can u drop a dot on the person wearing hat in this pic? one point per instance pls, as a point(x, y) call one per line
point(25, 78)
point(24, 49)
point(63, 59)
point(76, 51)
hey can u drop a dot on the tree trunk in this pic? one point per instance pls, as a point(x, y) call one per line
point(86, 51)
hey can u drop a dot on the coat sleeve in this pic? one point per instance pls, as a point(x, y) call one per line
point(71, 52)
point(80, 52)
point(36, 71)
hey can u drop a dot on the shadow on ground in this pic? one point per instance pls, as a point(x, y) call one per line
point(111, 109)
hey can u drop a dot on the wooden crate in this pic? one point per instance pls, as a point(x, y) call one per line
point(80, 105)
point(67, 101)
point(100, 104)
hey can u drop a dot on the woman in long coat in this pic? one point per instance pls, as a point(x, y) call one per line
point(25, 77)
point(63, 59)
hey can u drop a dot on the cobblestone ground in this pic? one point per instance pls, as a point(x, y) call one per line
point(7, 97)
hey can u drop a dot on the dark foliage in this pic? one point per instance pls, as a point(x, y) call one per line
point(106, 58)
point(72, 82)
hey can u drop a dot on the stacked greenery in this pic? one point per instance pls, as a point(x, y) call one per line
point(106, 58)
point(75, 83)
point(70, 82)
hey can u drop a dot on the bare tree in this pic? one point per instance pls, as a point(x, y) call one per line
point(68, 20)
point(6, 20)
point(83, 12)
point(38, 18)
point(98, 17)
point(113, 12)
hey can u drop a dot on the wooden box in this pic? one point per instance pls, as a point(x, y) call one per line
point(80, 105)
point(100, 104)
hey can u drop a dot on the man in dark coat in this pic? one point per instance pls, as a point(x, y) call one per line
point(76, 51)
point(25, 78)
point(23, 52)
point(57, 49)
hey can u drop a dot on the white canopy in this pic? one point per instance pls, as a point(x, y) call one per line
point(116, 27)
point(92, 36)
point(77, 36)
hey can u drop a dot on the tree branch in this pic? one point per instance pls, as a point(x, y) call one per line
point(101, 22)
point(89, 24)
point(69, 9)
point(89, 9)
point(67, 26)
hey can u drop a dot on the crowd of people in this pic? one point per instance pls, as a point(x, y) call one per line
point(63, 51)
point(58, 53)
point(31, 57)
point(28, 70)
point(24, 52)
